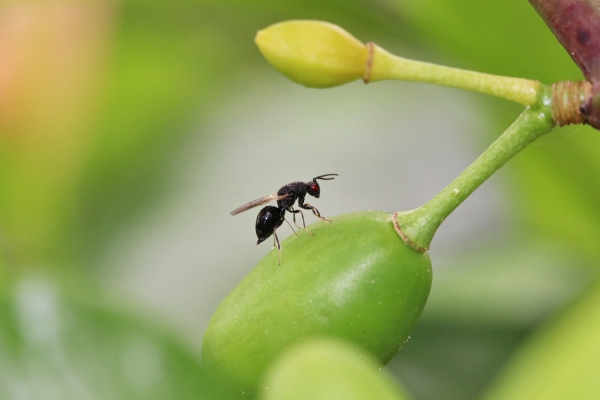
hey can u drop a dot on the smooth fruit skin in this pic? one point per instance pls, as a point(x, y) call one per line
point(313, 53)
point(355, 279)
point(325, 369)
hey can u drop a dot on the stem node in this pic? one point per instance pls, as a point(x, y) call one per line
point(569, 102)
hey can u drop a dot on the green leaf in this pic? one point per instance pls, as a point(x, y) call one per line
point(56, 345)
point(561, 361)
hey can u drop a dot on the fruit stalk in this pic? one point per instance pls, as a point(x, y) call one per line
point(417, 227)
point(382, 65)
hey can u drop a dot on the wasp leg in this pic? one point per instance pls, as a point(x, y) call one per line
point(276, 243)
point(314, 211)
point(294, 212)
point(288, 222)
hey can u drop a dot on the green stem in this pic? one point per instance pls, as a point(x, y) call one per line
point(418, 226)
point(382, 65)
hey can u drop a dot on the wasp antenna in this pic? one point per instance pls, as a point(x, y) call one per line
point(323, 177)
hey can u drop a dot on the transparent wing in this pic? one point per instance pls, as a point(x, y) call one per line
point(259, 202)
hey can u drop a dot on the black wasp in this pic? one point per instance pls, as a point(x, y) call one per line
point(270, 218)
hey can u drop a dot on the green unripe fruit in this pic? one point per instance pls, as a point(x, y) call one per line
point(325, 369)
point(355, 279)
point(313, 53)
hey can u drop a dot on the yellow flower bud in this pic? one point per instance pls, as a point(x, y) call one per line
point(313, 53)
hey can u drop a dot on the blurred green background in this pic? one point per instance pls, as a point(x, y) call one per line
point(129, 130)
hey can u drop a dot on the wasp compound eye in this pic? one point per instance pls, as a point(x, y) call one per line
point(314, 189)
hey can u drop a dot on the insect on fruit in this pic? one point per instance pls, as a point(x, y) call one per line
point(270, 217)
